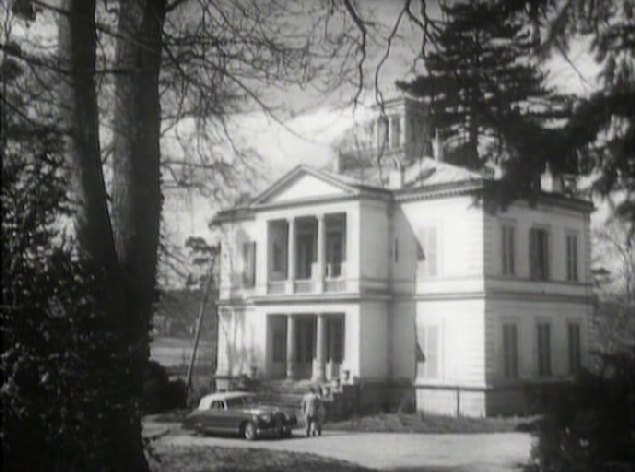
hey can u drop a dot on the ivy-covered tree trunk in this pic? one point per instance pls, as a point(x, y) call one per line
point(136, 195)
point(122, 252)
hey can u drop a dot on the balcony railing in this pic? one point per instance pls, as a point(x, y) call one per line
point(306, 286)
point(335, 285)
point(332, 283)
point(277, 287)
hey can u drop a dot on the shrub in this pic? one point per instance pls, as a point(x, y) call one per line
point(591, 426)
point(161, 394)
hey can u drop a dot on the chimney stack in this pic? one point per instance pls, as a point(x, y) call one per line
point(437, 146)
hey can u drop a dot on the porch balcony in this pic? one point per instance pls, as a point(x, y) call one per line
point(307, 255)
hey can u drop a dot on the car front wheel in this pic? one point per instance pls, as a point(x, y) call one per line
point(250, 431)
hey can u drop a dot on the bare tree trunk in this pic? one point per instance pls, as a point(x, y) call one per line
point(120, 434)
point(209, 289)
point(136, 195)
point(77, 42)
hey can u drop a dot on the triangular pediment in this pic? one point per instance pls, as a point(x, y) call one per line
point(304, 184)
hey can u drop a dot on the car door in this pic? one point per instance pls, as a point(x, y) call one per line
point(214, 419)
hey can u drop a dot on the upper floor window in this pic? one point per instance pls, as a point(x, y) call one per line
point(543, 339)
point(539, 254)
point(573, 337)
point(572, 256)
point(395, 132)
point(510, 350)
point(427, 252)
point(389, 132)
point(277, 254)
point(249, 263)
point(508, 249)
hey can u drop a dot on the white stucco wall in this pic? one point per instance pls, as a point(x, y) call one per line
point(373, 244)
point(526, 314)
point(459, 223)
point(241, 341)
point(461, 348)
point(373, 345)
point(401, 318)
point(557, 220)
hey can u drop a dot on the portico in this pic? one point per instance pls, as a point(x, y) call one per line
point(306, 254)
point(303, 345)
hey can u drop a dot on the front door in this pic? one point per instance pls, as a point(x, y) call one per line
point(304, 346)
point(278, 346)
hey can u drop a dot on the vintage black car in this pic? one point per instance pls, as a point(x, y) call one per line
point(238, 413)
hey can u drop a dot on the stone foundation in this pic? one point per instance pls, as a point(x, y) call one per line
point(521, 399)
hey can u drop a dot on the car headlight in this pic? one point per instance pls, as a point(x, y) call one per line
point(266, 418)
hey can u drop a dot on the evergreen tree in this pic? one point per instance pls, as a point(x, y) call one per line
point(478, 74)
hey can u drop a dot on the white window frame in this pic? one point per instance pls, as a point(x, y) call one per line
point(249, 263)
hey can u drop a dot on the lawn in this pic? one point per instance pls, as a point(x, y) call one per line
point(215, 459)
point(431, 424)
point(404, 423)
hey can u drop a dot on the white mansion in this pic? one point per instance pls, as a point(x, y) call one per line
point(411, 283)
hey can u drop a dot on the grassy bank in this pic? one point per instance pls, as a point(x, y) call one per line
point(214, 459)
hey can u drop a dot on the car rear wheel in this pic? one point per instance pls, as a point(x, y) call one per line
point(250, 431)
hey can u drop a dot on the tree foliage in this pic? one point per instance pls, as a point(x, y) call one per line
point(478, 74)
point(590, 424)
point(135, 68)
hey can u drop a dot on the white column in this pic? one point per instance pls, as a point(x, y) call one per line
point(291, 255)
point(321, 252)
point(290, 347)
point(320, 351)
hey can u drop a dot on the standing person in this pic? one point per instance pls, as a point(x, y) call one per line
point(310, 405)
point(321, 412)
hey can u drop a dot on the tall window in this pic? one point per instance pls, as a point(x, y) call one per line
point(427, 252)
point(510, 350)
point(395, 132)
point(539, 254)
point(249, 264)
point(335, 339)
point(382, 132)
point(543, 337)
point(572, 257)
point(279, 342)
point(508, 248)
point(573, 335)
point(279, 242)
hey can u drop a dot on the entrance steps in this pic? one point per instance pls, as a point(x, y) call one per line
point(340, 402)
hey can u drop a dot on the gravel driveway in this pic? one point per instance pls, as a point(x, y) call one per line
point(392, 451)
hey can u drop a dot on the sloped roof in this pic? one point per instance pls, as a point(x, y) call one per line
point(428, 171)
point(422, 173)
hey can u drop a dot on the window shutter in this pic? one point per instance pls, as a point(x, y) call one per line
point(249, 264)
point(431, 351)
